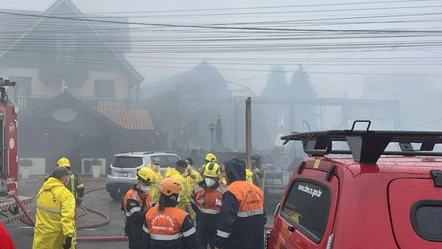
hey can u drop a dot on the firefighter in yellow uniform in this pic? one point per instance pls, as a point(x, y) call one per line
point(55, 218)
point(75, 185)
point(210, 157)
point(192, 178)
point(177, 174)
point(155, 167)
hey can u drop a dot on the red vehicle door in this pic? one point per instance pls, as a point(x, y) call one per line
point(416, 213)
point(308, 210)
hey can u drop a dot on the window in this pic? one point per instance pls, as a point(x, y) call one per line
point(307, 207)
point(426, 219)
point(23, 85)
point(166, 160)
point(65, 48)
point(127, 162)
point(104, 89)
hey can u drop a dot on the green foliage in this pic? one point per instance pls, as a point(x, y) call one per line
point(96, 162)
point(25, 163)
point(276, 83)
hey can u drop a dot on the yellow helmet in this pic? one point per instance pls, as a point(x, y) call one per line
point(211, 169)
point(63, 162)
point(146, 174)
point(210, 157)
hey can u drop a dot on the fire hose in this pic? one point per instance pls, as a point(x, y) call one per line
point(31, 222)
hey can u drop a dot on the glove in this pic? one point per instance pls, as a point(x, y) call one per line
point(67, 243)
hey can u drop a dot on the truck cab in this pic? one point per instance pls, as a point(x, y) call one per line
point(363, 197)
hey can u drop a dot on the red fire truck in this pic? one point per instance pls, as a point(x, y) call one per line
point(9, 201)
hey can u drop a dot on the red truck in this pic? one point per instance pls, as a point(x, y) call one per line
point(375, 198)
point(9, 170)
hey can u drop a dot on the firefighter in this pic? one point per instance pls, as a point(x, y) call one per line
point(177, 174)
point(6, 242)
point(192, 178)
point(259, 171)
point(210, 157)
point(206, 200)
point(75, 185)
point(155, 167)
point(55, 218)
point(168, 227)
point(135, 204)
point(242, 216)
point(249, 172)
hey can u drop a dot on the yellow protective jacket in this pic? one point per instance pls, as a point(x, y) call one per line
point(55, 215)
point(190, 184)
point(184, 203)
point(154, 191)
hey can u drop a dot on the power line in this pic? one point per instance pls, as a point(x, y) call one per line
point(225, 27)
point(263, 7)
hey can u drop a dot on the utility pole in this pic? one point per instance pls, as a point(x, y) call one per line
point(249, 131)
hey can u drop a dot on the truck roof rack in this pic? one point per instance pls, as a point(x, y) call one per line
point(367, 146)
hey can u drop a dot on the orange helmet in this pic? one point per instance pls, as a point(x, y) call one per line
point(169, 186)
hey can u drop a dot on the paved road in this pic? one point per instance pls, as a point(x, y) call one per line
point(99, 200)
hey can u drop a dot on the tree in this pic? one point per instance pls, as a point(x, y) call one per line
point(276, 83)
point(300, 87)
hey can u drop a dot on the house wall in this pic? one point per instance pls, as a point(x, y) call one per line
point(40, 88)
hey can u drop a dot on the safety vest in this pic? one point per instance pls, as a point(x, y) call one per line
point(133, 202)
point(167, 224)
point(250, 198)
point(209, 200)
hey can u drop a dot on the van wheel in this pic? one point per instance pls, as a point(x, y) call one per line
point(115, 196)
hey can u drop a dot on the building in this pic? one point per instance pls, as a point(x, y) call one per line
point(47, 56)
point(178, 110)
point(72, 86)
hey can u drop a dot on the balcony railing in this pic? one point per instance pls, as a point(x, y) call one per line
point(32, 101)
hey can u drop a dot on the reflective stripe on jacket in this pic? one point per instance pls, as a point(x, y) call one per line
point(55, 215)
point(242, 217)
point(168, 229)
point(135, 204)
point(207, 203)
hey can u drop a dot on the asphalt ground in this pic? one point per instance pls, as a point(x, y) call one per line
point(99, 200)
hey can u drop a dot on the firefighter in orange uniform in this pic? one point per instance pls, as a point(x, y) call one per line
point(206, 200)
point(242, 216)
point(135, 204)
point(166, 226)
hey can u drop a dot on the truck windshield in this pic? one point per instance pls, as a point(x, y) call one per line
point(127, 162)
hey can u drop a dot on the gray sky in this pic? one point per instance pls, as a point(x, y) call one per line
point(327, 85)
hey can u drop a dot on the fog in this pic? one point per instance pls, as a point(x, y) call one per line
point(205, 52)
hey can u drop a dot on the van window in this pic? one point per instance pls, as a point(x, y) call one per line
point(427, 221)
point(307, 207)
point(166, 160)
point(127, 162)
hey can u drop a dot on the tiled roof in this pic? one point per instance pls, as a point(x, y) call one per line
point(129, 118)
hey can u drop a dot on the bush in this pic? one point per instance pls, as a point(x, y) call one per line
point(25, 162)
point(95, 162)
